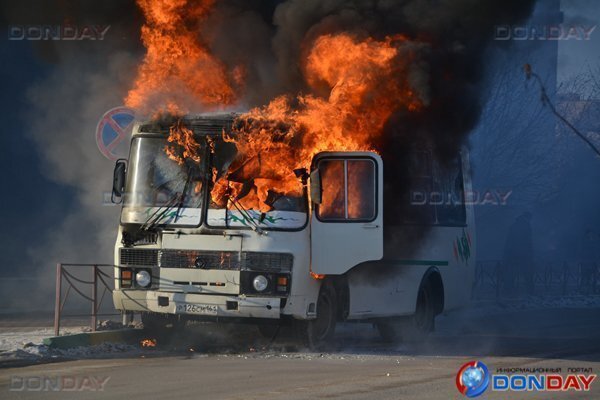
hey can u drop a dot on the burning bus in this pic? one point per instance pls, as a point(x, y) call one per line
point(211, 230)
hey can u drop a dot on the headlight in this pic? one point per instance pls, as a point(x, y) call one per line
point(143, 278)
point(260, 283)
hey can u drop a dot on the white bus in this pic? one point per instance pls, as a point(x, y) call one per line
point(314, 259)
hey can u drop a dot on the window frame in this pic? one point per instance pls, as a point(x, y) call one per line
point(158, 136)
point(345, 219)
point(433, 167)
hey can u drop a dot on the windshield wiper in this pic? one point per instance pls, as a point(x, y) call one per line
point(177, 200)
point(154, 219)
point(181, 202)
point(245, 214)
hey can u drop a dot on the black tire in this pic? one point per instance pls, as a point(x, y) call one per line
point(415, 328)
point(424, 318)
point(319, 333)
point(422, 322)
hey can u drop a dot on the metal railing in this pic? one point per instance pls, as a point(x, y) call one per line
point(98, 276)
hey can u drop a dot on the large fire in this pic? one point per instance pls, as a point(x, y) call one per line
point(363, 82)
point(356, 84)
point(179, 69)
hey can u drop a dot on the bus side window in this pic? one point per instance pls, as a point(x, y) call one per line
point(421, 209)
point(348, 190)
point(449, 184)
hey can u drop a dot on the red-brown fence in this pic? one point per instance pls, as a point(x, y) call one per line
point(87, 289)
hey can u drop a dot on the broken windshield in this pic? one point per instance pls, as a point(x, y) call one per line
point(242, 196)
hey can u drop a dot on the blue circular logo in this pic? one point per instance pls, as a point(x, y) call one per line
point(472, 379)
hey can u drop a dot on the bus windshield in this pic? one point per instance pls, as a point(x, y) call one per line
point(239, 197)
point(156, 182)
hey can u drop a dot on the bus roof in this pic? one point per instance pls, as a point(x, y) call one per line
point(205, 124)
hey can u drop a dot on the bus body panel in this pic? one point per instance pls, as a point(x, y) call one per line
point(336, 247)
point(303, 293)
point(389, 287)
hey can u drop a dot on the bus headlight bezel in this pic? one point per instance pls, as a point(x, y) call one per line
point(143, 278)
point(278, 284)
point(260, 283)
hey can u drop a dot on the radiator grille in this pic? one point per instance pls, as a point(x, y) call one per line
point(139, 257)
point(228, 260)
point(275, 262)
point(199, 259)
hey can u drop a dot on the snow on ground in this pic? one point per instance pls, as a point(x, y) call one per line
point(27, 344)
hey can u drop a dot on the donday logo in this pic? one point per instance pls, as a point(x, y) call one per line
point(472, 379)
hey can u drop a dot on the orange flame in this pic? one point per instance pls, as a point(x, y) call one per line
point(179, 71)
point(148, 343)
point(366, 83)
point(187, 146)
point(355, 84)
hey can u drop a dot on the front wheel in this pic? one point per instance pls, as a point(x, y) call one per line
point(319, 332)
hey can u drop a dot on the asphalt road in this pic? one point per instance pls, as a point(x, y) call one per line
point(360, 367)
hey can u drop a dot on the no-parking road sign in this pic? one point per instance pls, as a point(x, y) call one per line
point(113, 130)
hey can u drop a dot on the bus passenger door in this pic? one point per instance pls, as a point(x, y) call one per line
point(347, 217)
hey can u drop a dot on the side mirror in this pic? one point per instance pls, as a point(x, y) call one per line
point(119, 181)
point(315, 187)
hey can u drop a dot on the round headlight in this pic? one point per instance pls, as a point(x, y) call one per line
point(142, 278)
point(260, 283)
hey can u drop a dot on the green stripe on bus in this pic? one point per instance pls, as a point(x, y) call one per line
point(422, 262)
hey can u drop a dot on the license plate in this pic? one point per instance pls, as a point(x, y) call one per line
point(203, 309)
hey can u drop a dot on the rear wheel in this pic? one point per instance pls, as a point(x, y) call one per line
point(319, 332)
point(417, 326)
point(424, 318)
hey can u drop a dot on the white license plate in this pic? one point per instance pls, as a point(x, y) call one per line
point(204, 309)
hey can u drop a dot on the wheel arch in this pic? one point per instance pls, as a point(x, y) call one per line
point(342, 294)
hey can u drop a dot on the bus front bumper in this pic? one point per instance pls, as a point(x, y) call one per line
point(201, 305)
